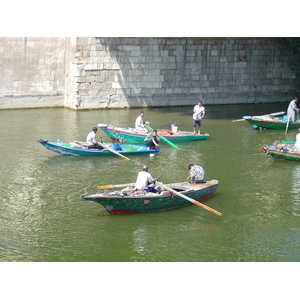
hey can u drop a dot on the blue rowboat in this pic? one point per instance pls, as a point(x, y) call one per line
point(81, 149)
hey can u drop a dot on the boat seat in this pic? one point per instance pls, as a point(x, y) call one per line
point(116, 147)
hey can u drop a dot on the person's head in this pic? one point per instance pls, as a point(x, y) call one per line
point(141, 113)
point(190, 166)
point(296, 99)
point(95, 129)
point(145, 168)
point(154, 131)
point(199, 102)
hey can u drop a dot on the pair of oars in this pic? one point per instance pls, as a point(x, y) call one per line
point(168, 189)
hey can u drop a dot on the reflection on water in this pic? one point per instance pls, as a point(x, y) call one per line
point(42, 217)
point(295, 195)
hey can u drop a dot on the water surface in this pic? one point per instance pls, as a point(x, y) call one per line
point(43, 219)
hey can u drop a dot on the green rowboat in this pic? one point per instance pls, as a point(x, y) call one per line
point(271, 121)
point(284, 150)
point(121, 134)
point(130, 201)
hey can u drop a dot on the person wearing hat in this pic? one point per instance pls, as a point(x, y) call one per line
point(292, 109)
point(91, 140)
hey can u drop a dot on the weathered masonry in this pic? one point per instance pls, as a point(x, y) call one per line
point(91, 72)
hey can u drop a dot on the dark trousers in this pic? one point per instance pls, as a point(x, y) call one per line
point(150, 189)
point(95, 147)
point(150, 144)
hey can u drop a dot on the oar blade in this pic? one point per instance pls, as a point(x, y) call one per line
point(207, 208)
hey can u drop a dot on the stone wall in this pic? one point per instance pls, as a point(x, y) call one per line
point(32, 72)
point(136, 72)
point(91, 72)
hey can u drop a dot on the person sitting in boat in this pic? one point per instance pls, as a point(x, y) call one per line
point(151, 140)
point(91, 140)
point(144, 179)
point(140, 123)
point(292, 109)
point(196, 174)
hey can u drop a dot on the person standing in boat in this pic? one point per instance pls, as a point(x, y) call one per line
point(143, 180)
point(91, 140)
point(151, 140)
point(140, 123)
point(198, 115)
point(292, 109)
point(196, 174)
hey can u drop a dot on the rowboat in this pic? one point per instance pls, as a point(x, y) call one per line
point(272, 121)
point(81, 149)
point(131, 135)
point(284, 150)
point(130, 201)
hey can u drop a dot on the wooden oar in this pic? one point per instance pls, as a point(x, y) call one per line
point(102, 187)
point(160, 136)
point(113, 151)
point(272, 114)
point(239, 120)
point(188, 198)
point(287, 125)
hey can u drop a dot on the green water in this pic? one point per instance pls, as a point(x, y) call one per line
point(43, 219)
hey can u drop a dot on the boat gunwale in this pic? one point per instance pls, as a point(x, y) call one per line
point(71, 150)
point(130, 132)
point(180, 187)
point(279, 154)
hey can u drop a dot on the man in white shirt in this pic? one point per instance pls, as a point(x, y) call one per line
point(144, 178)
point(91, 139)
point(198, 114)
point(140, 123)
point(292, 109)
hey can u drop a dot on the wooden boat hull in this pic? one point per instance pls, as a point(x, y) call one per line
point(120, 203)
point(120, 134)
point(285, 153)
point(274, 123)
point(75, 149)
